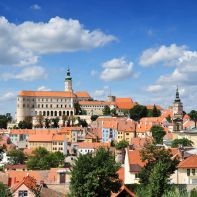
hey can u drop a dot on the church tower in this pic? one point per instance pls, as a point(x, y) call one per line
point(68, 82)
point(177, 113)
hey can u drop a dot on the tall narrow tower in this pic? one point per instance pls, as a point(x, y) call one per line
point(177, 113)
point(68, 82)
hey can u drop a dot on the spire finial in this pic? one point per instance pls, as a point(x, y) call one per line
point(177, 94)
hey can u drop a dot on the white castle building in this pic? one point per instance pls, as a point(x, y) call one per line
point(49, 104)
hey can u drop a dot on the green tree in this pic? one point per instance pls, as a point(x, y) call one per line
point(95, 176)
point(47, 123)
point(169, 119)
point(55, 122)
point(16, 157)
point(44, 160)
point(4, 119)
point(138, 112)
point(122, 144)
point(181, 142)
point(94, 117)
point(39, 119)
point(155, 175)
point(193, 116)
point(25, 124)
point(64, 119)
point(106, 110)
point(78, 110)
point(113, 112)
point(157, 134)
point(193, 193)
point(82, 123)
point(5, 191)
point(155, 112)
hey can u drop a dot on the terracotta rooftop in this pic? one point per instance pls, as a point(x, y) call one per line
point(124, 103)
point(46, 94)
point(83, 94)
point(190, 162)
point(93, 145)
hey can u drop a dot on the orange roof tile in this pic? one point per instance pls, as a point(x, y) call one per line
point(124, 103)
point(40, 138)
point(141, 128)
point(82, 94)
point(46, 94)
point(139, 143)
point(126, 125)
point(110, 124)
point(135, 158)
point(190, 162)
point(59, 138)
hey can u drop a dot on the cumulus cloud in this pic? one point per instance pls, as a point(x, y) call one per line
point(7, 96)
point(36, 7)
point(101, 93)
point(184, 75)
point(43, 88)
point(162, 54)
point(117, 69)
point(22, 44)
point(26, 74)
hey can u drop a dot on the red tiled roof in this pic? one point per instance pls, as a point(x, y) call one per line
point(122, 189)
point(47, 94)
point(40, 138)
point(190, 162)
point(82, 94)
point(121, 174)
point(124, 103)
point(135, 158)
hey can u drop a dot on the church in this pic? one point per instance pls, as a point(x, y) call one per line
point(49, 104)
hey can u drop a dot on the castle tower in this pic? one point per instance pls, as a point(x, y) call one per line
point(68, 82)
point(177, 113)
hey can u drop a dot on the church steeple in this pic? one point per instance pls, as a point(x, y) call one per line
point(177, 99)
point(177, 113)
point(68, 81)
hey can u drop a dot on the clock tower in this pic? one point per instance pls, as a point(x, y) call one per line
point(68, 82)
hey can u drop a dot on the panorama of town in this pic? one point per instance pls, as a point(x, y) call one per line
point(98, 98)
point(65, 141)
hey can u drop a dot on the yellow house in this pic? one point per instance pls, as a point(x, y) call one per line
point(40, 140)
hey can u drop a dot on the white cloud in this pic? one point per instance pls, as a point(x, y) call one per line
point(43, 88)
point(162, 54)
point(101, 93)
point(8, 96)
point(36, 7)
point(117, 69)
point(184, 75)
point(27, 74)
point(22, 44)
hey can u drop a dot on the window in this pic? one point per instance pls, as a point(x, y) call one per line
point(22, 193)
point(193, 172)
point(188, 172)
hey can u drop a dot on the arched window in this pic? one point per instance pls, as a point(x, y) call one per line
point(67, 113)
point(44, 113)
point(71, 113)
point(51, 113)
point(64, 112)
point(60, 113)
point(55, 113)
point(47, 113)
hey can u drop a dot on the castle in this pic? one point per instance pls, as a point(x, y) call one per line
point(49, 104)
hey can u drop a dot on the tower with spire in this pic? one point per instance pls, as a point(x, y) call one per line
point(68, 81)
point(177, 113)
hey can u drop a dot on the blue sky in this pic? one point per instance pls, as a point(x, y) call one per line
point(138, 49)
